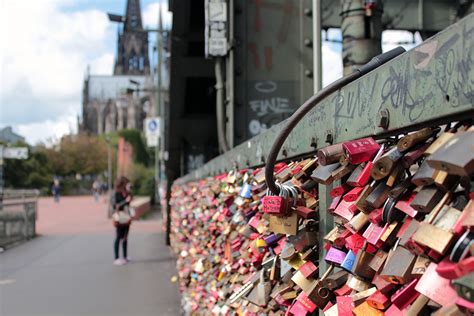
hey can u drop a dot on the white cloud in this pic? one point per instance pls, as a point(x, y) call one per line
point(332, 63)
point(393, 38)
point(49, 131)
point(150, 15)
point(44, 52)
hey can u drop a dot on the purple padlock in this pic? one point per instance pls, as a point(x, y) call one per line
point(335, 256)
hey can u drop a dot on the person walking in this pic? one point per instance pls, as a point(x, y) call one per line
point(96, 190)
point(122, 219)
point(56, 190)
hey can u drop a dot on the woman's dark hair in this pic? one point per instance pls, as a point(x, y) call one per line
point(121, 183)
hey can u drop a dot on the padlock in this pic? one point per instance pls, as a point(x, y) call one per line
point(353, 194)
point(330, 154)
point(335, 280)
point(306, 213)
point(406, 295)
point(348, 261)
point(323, 174)
point(412, 156)
point(365, 309)
point(342, 171)
point(455, 155)
point(464, 287)
point(361, 266)
point(361, 297)
point(335, 256)
point(408, 141)
point(379, 194)
point(398, 267)
point(426, 199)
point(357, 284)
point(384, 165)
point(438, 142)
point(318, 293)
point(361, 175)
point(378, 300)
point(436, 288)
point(445, 181)
point(424, 175)
point(360, 150)
point(276, 205)
point(357, 222)
point(361, 202)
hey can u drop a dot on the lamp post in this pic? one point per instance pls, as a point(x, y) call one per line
point(109, 176)
point(159, 109)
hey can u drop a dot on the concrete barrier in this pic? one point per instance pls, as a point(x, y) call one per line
point(141, 204)
point(17, 221)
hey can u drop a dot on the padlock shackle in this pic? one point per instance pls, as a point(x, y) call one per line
point(312, 102)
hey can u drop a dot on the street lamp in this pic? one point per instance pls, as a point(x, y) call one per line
point(109, 176)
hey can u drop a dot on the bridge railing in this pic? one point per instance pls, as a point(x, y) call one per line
point(18, 216)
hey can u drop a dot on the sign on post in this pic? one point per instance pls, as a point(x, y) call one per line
point(215, 28)
point(15, 153)
point(152, 131)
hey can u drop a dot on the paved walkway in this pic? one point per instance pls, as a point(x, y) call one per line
point(67, 269)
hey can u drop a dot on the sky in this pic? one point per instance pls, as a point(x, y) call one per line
point(47, 45)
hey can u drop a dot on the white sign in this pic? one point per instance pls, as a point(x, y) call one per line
point(15, 153)
point(152, 131)
point(215, 28)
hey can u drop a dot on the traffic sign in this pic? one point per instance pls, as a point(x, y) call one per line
point(14, 153)
point(152, 131)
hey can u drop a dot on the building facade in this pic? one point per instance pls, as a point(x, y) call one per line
point(122, 100)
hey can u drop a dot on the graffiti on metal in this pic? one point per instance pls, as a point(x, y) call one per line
point(432, 82)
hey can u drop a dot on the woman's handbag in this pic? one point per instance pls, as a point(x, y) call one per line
point(121, 217)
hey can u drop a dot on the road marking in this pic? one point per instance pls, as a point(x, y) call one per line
point(7, 281)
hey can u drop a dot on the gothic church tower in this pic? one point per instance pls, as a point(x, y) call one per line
point(132, 49)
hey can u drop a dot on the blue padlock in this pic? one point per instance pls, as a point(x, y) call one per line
point(348, 261)
point(246, 191)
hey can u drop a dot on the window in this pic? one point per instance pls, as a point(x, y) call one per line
point(133, 61)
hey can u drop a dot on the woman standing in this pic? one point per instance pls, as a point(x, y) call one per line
point(122, 218)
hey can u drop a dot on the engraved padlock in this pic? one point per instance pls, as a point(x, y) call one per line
point(276, 205)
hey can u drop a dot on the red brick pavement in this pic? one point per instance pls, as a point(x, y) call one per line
point(81, 215)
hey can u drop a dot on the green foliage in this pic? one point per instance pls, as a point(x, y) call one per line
point(143, 180)
point(134, 137)
point(78, 154)
point(75, 154)
point(32, 173)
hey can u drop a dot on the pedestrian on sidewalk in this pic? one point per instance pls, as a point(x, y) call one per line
point(96, 190)
point(122, 218)
point(56, 190)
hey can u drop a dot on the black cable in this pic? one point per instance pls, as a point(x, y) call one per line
point(312, 102)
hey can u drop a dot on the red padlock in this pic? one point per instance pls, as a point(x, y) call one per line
point(361, 150)
point(275, 205)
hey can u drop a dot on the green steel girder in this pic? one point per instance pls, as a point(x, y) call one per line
point(434, 82)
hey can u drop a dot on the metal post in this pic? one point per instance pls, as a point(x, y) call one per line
point(361, 32)
point(159, 107)
point(230, 79)
point(317, 53)
point(1, 177)
point(109, 177)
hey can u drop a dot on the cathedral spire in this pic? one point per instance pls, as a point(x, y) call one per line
point(133, 17)
point(132, 48)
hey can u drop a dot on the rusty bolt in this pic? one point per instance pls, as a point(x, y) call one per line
point(384, 118)
point(329, 138)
